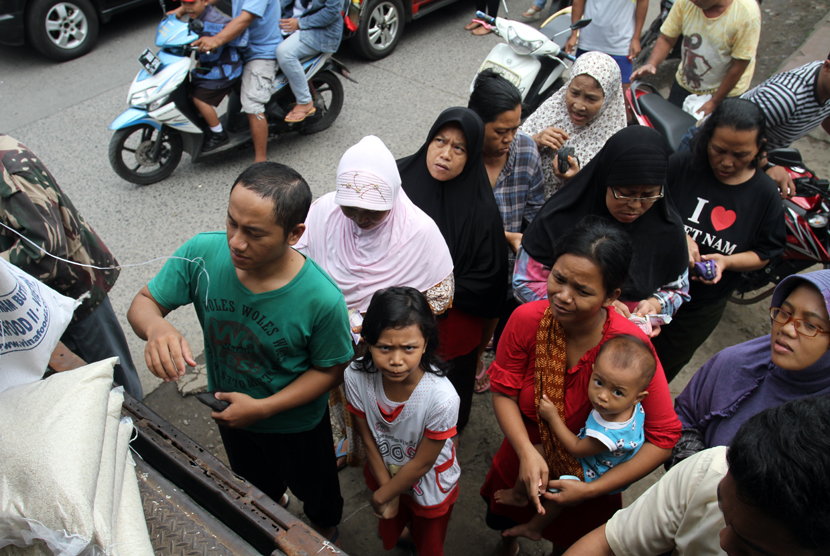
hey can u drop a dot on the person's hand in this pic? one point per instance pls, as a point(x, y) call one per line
point(514, 241)
point(707, 108)
point(721, 264)
point(694, 251)
point(643, 70)
point(243, 411)
point(178, 12)
point(533, 472)
point(649, 306)
point(289, 25)
point(167, 352)
point(783, 180)
point(634, 48)
point(548, 411)
point(387, 510)
point(573, 168)
point(570, 492)
point(206, 44)
point(570, 46)
point(552, 137)
point(621, 308)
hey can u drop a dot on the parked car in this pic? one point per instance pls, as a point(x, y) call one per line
point(66, 29)
point(58, 29)
point(375, 26)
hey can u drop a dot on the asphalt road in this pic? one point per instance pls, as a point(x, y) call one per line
point(61, 111)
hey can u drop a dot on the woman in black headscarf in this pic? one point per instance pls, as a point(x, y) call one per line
point(624, 182)
point(447, 179)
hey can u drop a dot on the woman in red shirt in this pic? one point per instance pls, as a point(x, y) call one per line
point(549, 347)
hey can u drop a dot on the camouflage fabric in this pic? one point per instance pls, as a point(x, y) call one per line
point(32, 203)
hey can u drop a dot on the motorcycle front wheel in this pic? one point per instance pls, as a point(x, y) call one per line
point(132, 153)
point(327, 93)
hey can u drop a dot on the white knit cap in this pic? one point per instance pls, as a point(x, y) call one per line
point(367, 176)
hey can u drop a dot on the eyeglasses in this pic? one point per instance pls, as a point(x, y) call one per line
point(801, 326)
point(636, 199)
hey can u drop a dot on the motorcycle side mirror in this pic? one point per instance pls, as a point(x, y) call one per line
point(195, 26)
point(785, 157)
point(580, 24)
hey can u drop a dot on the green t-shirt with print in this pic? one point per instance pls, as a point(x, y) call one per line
point(258, 344)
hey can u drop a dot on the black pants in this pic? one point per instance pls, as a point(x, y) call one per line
point(678, 94)
point(509, 307)
point(303, 461)
point(463, 377)
point(490, 7)
point(690, 327)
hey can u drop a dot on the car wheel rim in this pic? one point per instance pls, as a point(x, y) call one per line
point(66, 25)
point(383, 26)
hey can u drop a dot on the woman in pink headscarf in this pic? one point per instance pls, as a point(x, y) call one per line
point(367, 235)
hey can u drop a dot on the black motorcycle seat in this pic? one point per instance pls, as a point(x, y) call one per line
point(672, 122)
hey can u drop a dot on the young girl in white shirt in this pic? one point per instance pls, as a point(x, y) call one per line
point(406, 413)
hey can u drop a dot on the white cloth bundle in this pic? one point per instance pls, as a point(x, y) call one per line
point(67, 483)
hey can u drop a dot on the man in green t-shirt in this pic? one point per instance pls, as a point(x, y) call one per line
point(276, 335)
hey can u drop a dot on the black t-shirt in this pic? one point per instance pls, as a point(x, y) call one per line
point(726, 219)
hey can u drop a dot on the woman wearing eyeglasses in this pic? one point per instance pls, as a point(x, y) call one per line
point(791, 363)
point(624, 182)
point(733, 216)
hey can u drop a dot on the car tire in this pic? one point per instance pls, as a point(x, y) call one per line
point(380, 29)
point(62, 29)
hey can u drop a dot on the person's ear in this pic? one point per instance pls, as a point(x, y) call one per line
point(295, 234)
point(612, 298)
point(642, 395)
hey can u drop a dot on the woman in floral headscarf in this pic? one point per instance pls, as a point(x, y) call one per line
point(583, 114)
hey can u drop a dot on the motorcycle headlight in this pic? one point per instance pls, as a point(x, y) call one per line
point(522, 46)
point(140, 98)
point(156, 104)
point(817, 220)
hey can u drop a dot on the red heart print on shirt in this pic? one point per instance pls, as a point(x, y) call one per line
point(722, 218)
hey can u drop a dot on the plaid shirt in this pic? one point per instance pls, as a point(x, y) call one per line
point(520, 189)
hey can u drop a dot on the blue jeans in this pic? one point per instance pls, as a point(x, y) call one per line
point(289, 53)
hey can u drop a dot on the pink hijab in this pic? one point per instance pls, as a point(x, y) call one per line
point(405, 249)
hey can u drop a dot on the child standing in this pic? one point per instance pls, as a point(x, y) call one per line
point(406, 412)
point(217, 71)
point(613, 433)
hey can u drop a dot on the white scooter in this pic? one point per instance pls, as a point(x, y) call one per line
point(532, 59)
point(162, 121)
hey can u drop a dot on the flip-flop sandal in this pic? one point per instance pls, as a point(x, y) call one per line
point(475, 24)
point(486, 387)
point(532, 12)
point(296, 121)
point(483, 30)
point(340, 453)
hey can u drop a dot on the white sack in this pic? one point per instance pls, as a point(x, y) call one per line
point(33, 318)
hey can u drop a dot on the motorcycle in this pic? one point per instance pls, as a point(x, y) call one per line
point(806, 215)
point(162, 121)
point(532, 59)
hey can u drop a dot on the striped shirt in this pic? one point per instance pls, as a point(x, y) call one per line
point(790, 103)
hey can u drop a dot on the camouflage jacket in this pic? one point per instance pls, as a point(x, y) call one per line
point(32, 203)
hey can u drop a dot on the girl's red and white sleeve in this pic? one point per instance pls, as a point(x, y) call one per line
point(442, 419)
point(353, 380)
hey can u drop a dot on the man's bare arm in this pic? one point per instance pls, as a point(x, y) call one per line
point(166, 352)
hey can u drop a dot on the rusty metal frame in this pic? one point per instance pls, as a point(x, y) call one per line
point(252, 515)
